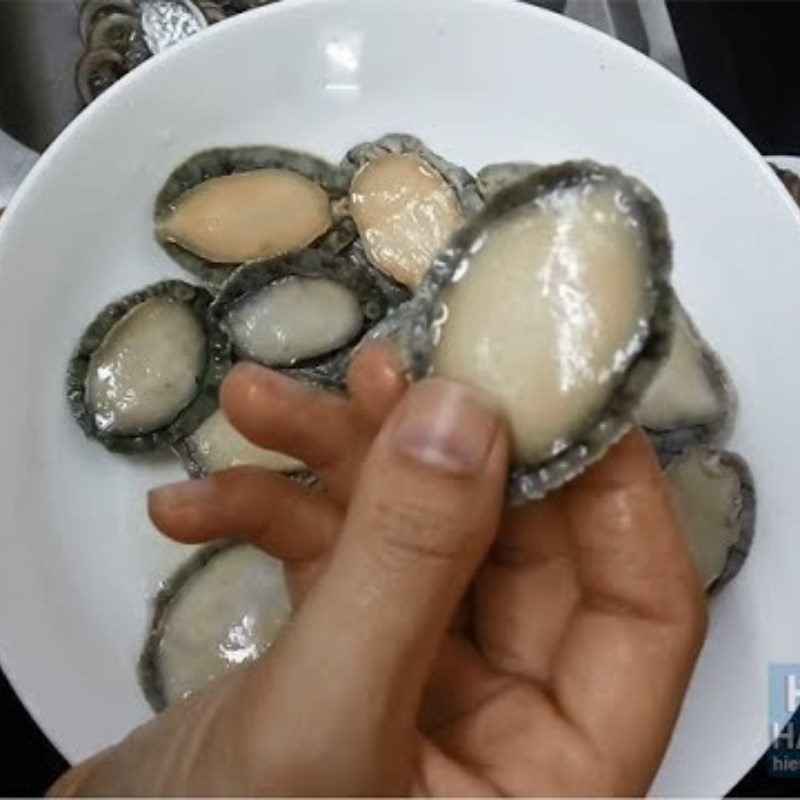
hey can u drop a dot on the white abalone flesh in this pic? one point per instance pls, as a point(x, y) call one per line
point(691, 400)
point(220, 610)
point(302, 311)
point(259, 325)
point(144, 371)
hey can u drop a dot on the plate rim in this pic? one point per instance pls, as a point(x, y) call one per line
point(10, 665)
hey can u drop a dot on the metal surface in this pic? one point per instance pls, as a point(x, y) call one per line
point(166, 22)
point(55, 55)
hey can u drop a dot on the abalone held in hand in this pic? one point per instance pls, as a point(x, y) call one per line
point(301, 311)
point(554, 300)
point(227, 206)
point(147, 370)
point(222, 608)
point(406, 202)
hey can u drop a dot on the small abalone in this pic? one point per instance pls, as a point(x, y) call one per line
point(147, 370)
point(691, 399)
point(301, 311)
point(224, 207)
point(222, 608)
point(714, 496)
point(406, 202)
point(554, 300)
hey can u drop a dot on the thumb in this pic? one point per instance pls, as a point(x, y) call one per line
point(422, 517)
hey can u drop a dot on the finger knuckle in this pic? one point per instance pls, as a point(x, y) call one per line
point(415, 531)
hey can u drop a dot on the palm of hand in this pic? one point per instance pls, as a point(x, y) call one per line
point(532, 678)
point(543, 682)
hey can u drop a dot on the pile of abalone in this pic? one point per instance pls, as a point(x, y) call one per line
point(546, 285)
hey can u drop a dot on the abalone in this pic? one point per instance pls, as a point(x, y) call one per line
point(147, 370)
point(228, 206)
point(406, 202)
point(555, 301)
point(301, 312)
point(223, 608)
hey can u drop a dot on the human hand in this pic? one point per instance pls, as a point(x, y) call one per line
point(428, 654)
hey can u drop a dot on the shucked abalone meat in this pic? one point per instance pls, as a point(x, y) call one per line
point(555, 300)
point(224, 207)
point(220, 610)
point(300, 311)
point(546, 286)
point(146, 370)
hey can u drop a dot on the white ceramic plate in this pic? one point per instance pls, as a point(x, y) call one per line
point(479, 80)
